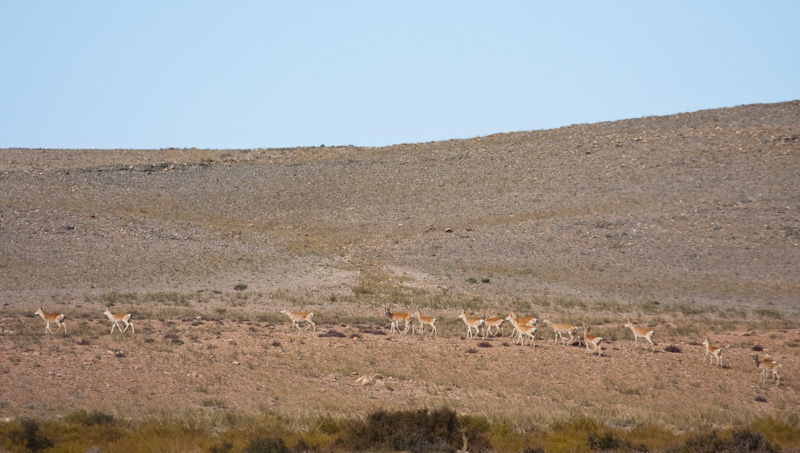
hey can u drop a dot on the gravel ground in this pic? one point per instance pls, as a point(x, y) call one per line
point(684, 221)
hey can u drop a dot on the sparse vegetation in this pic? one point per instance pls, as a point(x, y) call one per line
point(411, 430)
point(681, 223)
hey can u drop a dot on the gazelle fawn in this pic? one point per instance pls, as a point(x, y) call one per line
point(423, 320)
point(472, 323)
point(527, 331)
point(57, 318)
point(396, 318)
point(300, 316)
point(641, 332)
point(767, 366)
point(712, 353)
point(594, 340)
point(560, 329)
point(115, 319)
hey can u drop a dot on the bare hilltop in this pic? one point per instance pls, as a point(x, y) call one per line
point(688, 224)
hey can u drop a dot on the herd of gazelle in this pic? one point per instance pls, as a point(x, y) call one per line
point(523, 327)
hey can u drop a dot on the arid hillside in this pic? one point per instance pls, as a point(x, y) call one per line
point(689, 224)
point(697, 208)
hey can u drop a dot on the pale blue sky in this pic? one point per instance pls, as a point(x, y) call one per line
point(251, 74)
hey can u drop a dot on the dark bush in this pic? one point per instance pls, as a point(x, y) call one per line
point(740, 442)
point(28, 436)
point(267, 445)
point(758, 348)
point(609, 442)
point(746, 441)
point(419, 431)
point(673, 348)
point(240, 287)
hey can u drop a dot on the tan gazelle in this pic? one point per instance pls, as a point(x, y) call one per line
point(641, 332)
point(300, 316)
point(57, 318)
point(397, 317)
point(120, 317)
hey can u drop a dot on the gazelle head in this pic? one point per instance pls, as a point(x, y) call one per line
point(387, 312)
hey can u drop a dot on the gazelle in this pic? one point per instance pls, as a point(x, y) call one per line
point(593, 339)
point(396, 318)
point(560, 329)
point(115, 319)
point(492, 322)
point(768, 366)
point(423, 320)
point(300, 316)
point(641, 332)
point(712, 352)
point(527, 331)
point(57, 318)
point(472, 323)
point(523, 321)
